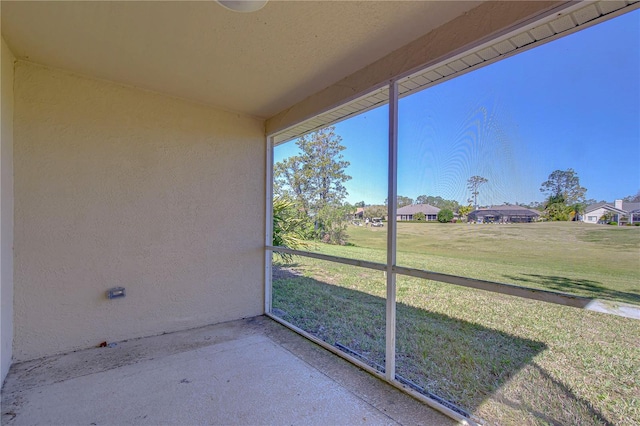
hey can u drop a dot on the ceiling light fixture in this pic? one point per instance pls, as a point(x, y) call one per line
point(243, 5)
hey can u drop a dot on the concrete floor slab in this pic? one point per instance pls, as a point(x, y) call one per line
point(245, 372)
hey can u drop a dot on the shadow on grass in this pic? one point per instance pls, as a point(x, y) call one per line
point(457, 360)
point(463, 362)
point(580, 287)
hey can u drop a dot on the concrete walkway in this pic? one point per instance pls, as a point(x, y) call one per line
point(248, 372)
point(614, 308)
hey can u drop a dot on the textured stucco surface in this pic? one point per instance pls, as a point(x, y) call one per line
point(116, 186)
point(258, 63)
point(6, 212)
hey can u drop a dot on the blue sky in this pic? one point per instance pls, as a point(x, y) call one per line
point(572, 103)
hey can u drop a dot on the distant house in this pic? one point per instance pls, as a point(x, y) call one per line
point(621, 211)
point(503, 214)
point(407, 212)
point(359, 214)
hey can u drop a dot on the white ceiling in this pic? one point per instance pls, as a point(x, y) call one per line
point(256, 63)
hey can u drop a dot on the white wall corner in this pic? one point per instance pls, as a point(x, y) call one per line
point(6, 210)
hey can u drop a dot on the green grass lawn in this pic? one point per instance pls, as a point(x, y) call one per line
point(596, 261)
point(506, 359)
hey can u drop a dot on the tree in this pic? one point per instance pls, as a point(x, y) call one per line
point(565, 185)
point(565, 195)
point(438, 201)
point(593, 201)
point(333, 223)
point(290, 181)
point(314, 179)
point(536, 205)
point(463, 211)
point(419, 216)
point(359, 204)
point(632, 198)
point(445, 215)
point(473, 183)
point(423, 199)
point(402, 201)
point(375, 211)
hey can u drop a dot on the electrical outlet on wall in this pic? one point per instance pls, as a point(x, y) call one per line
point(115, 292)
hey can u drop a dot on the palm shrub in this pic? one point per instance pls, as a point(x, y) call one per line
point(288, 227)
point(558, 212)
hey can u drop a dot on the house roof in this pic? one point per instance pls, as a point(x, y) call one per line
point(626, 207)
point(506, 210)
point(595, 206)
point(254, 63)
point(630, 207)
point(418, 208)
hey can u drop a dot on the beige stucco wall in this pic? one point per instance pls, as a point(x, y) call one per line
point(116, 186)
point(6, 211)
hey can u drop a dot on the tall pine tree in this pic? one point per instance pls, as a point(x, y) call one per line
point(314, 179)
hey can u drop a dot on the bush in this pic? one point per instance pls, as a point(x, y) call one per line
point(332, 225)
point(445, 215)
point(613, 223)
